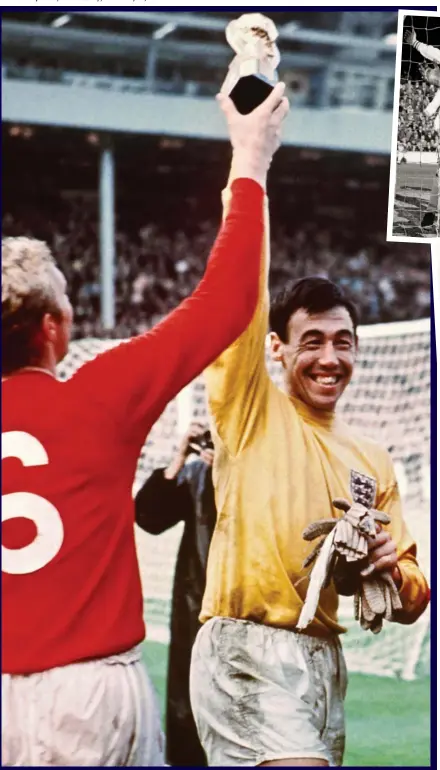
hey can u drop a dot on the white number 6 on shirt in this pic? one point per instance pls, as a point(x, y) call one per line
point(50, 530)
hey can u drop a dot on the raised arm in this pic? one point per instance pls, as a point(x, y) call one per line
point(137, 379)
point(427, 51)
point(165, 498)
point(237, 381)
point(433, 106)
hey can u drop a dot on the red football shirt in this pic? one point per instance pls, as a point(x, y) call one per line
point(70, 578)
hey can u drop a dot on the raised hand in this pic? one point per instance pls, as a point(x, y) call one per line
point(257, 136)
point(194, 432)
point(410, 37)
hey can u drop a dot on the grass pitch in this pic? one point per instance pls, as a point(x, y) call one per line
point(388, 722)
point(413, 188)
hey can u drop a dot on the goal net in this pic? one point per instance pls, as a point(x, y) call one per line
point(418, 151)
point(389, 400)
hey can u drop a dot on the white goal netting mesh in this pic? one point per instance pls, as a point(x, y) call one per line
point(418, 150)
point(389, 399)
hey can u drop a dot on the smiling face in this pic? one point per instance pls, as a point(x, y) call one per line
point(432, 76)
point(318, 357)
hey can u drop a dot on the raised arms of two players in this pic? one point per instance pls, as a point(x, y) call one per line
point(237, 381)
point(137, 379)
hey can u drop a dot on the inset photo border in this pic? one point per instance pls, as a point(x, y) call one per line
point(435, 259)
point(413, 206)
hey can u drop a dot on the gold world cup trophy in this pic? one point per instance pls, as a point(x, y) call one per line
point(253, 72)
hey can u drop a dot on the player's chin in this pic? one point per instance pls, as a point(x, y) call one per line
point(325, 397)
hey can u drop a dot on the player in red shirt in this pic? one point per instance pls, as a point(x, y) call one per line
point(73, 687)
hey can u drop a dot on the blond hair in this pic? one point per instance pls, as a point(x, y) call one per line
point(27, 294)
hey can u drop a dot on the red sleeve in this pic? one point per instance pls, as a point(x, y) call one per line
point(136, 380)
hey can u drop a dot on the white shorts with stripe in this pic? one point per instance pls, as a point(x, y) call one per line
point(96, 713)
point(260, 694)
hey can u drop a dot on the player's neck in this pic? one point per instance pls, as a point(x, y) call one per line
point(46, 362)
point(25, 369)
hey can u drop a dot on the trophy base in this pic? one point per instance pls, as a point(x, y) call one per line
point(249, 92)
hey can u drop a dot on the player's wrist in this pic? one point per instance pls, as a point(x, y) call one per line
point(248, 164)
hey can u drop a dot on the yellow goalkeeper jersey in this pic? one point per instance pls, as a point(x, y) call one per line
point(279, 464)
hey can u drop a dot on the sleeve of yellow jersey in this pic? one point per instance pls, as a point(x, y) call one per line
point(237, 381)
point(414, 592)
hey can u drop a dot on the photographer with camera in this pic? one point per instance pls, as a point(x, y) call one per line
point(183, 492)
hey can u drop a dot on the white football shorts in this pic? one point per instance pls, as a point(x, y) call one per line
point(260, 694)
point(96, 713)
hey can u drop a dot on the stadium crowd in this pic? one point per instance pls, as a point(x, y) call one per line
point(416, 132)
point(306, 88)
point(157, 266)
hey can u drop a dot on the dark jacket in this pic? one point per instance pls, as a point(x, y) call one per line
point(159, 505)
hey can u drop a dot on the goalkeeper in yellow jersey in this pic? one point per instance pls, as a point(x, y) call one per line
point(262, 693)
point(432, 76)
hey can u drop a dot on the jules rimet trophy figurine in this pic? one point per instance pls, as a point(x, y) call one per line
point(253, 72)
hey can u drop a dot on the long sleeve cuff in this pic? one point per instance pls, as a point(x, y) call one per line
point(428, 52)
point(247, 192)
point(414, 594)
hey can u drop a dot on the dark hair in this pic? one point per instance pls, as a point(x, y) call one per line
point(313, 294)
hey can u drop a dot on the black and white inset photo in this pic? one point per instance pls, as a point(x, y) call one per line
point(413, 213)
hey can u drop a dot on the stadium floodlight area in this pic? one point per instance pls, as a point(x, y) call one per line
point(389, 400)
point(418, 148)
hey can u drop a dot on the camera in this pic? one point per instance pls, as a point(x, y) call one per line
point(201, 443)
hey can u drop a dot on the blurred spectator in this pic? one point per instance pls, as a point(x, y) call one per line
point(416, 132)
point(157, 266)
point(183, 492)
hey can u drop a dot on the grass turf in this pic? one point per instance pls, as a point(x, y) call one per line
point(388, 723)
point(413, 188)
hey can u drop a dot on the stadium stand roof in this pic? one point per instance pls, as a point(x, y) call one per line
point(307, 39)
point(90, 69)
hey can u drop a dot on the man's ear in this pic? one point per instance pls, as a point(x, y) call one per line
point(49, 328)
point(276, 348)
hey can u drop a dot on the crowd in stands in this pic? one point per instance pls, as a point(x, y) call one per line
point(107, 77)
point(416, 131)
point(156, 266)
